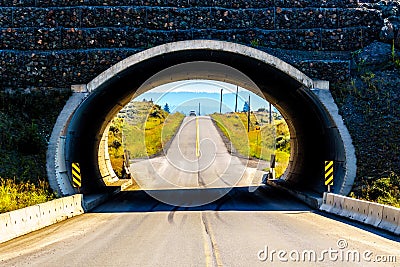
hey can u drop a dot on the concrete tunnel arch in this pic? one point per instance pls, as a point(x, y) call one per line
point(317, 130)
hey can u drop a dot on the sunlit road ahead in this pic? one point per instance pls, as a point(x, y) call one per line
point(196, 158)
point(213, 225)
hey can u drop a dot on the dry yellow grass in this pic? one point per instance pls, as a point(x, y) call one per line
point(16, 195)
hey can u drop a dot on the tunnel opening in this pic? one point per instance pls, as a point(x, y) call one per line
point(246, 127)
point(314, 137)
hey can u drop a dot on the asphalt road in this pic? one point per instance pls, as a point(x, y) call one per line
point(220, 221)
point(134, 229)
point(196, 158)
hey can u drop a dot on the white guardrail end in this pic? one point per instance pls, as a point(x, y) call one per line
point(327, 203)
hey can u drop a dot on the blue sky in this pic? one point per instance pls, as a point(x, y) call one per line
point(184, 96)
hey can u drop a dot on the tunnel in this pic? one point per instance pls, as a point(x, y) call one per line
point(315, 137)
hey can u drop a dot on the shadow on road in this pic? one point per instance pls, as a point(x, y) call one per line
point(216, 199)
point(237, 199)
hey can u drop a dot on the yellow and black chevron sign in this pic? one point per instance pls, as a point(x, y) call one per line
point(76, 175)
point(329, 172)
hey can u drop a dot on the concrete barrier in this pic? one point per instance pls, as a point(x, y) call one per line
point(29, 219)
point(360, 210)
point(337, 204)
point(50, 212)
point(378, 215)
point(23, 221)
point(126, 185)
point(374, 214)
point(73, 205)
point(6, 230)
point(390, 218)
point(397, 230)
point(327, 203)
point(355, 209)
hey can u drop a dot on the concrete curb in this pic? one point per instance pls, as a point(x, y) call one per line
point(92, 201)
point(312, 201)
point(374, 214)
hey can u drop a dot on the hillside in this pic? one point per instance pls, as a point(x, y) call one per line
point(370, 105)
point(26, 121)
point(148, 128)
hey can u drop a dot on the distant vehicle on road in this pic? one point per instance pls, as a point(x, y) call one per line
point(192, 113)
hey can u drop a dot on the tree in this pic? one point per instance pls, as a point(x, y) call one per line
point(166, 108)
point(156, 112)
point(246, 107)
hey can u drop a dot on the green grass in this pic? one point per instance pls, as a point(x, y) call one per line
point(16, 195)
point(134, 141)
point(159, 131)
point(147, 137)
point(256, 144)
point(233, 127)
point(384, 190)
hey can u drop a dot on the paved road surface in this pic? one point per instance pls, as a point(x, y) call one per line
point(237, 227)
point(133, 229)
point(197, 157)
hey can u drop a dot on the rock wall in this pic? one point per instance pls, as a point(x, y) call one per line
point(57, 43)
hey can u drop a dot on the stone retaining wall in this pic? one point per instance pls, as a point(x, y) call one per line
point(58, 43)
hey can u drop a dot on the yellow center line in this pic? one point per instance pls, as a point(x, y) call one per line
point(206, 244)
point(197, 138)
point(212, 252)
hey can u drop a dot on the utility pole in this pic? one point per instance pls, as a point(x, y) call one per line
point(248, 117)
point(237, 93)
point(220, 103)
point(199, 108)
point(270, 113)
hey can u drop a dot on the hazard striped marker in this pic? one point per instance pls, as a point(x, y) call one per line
point(76, 175)
point(329, 174)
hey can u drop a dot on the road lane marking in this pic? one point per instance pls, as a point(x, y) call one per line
point(209, 237)
point(206, 243)
point(197, 138)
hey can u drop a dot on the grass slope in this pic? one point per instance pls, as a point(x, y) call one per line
point(26, 122)
point(143, 129)
point(370, 106)
point(258, 144)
